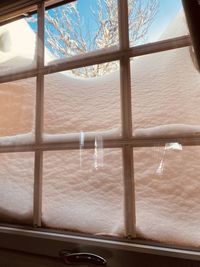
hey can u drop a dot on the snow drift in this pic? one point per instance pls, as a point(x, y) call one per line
point(79, 195)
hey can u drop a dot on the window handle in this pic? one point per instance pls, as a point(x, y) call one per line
point(82, 258)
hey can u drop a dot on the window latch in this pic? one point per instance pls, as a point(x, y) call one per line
point(82, 258)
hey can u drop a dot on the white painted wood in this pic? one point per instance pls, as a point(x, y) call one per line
point(101, 56)
point(38, 166)
point(111, 143)
point(126, 117)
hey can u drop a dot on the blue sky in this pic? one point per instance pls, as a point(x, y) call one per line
point(167, 11)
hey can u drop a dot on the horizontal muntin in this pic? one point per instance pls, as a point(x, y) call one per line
point(109, 143)
point(98, 57)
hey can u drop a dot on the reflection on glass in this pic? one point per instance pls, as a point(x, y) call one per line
point(98, 152)
point(73, 29)
point(83, 198)
point(168, 146)
point(81, 108)
point(165, 89)
point(17, 53)
point(17, 108)
point(16, 179)
point(167, 198)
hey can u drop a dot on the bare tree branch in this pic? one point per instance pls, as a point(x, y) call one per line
point(66, 35)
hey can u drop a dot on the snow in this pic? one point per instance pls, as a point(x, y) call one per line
point(175, 28)
point(83, 189)
point(170, 101)
point(97, 109)
point(19, 139)
point(16, 51)
point(16, 183)
point(87, 200)
point(17, 102)
point(52, 138)
point(111, 49)
point(168, 201)
point(20, 52)
point(169, 130)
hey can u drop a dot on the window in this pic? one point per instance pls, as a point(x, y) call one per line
point(76, 141)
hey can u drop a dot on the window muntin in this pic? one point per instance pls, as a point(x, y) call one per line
point(126, 142)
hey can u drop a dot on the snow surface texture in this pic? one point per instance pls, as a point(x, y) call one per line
point(14, 51)
point(83, 189)
point(18, 51)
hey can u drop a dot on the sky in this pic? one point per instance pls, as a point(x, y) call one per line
point(167, 11)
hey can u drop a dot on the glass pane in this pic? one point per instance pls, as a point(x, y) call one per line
point(151, 21)
point(84, 192)
point(17, 109)
point(166, 94)
point(80, 27)
point(17, 46)
point(16, 179)
point(167, 194)
point(77, 105)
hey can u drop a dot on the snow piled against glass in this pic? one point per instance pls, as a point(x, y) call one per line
point(79, 195)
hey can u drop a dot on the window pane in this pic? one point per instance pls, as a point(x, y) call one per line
point(165, 89)
point(17, 46)
point(151, 21)
point(17, 108)
point(84, 192)
point(80, 27)
point(75, 105)
point(16, 179)
point(167, 194)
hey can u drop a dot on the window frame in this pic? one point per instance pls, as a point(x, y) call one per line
point(127, 142)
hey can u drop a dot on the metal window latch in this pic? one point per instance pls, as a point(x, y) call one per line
point(82, 258)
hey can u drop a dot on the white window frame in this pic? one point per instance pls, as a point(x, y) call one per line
point(127, 142)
